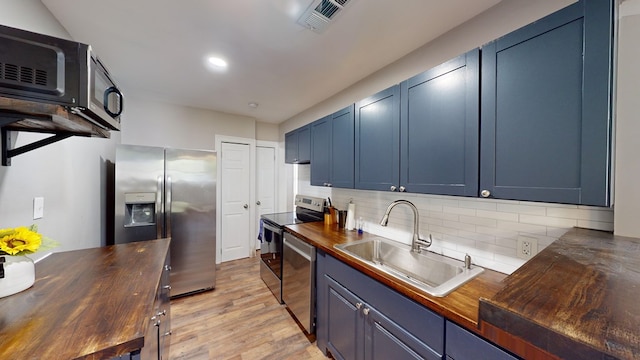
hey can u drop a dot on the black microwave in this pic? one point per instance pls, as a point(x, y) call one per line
point(43, 68)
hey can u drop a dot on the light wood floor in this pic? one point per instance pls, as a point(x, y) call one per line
point(239, 319)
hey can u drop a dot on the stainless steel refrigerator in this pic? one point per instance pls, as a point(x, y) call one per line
point(163, 192)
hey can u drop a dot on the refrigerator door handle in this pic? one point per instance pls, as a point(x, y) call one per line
point(159, 209)
point(168, 206)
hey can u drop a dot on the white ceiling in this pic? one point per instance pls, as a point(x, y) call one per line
point(156, 48)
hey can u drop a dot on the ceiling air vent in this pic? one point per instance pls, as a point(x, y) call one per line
point(321, 13)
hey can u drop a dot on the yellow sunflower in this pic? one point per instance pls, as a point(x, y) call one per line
point(19, 240)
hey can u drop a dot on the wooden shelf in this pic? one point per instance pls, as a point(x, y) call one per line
point(31, 116)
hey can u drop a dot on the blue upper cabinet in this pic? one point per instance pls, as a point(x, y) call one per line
point(546, 95)
point(297, 146)
point(321, 152)
point(343, 148)
point(332, 149)
point(377, 141)
point(440, 128)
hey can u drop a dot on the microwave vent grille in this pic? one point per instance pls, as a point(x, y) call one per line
point(22, 74)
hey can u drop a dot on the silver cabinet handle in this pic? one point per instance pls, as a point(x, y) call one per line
point(168, 211)
point(358, 305)
point(168, 333)
point(167, 287)
point(392, 188)
point(258, 202)
point(162, 313)
point(485, 193)
point(402, 189)
point(365, 311)
point(245, 206)
point(167, 267)
point(159, 208)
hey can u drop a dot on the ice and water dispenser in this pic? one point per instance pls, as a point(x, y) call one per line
point(140, 209)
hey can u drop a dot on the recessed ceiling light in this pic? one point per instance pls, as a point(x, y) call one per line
point(216, 63)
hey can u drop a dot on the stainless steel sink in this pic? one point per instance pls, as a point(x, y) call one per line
point(435, 274)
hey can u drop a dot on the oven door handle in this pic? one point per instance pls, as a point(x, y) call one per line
point(271, 228)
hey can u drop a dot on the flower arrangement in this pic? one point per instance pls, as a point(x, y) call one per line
point(23, 240)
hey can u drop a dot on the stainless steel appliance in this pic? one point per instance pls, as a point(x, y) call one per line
point(307, 209)
point(299, 280)
point(170, 193)
point(48, 69)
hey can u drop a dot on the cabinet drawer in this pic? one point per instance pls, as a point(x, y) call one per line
point(462, 344)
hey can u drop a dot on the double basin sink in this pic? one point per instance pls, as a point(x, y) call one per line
point(432, 273)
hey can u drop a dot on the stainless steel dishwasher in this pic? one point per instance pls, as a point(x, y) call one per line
point(298, 280)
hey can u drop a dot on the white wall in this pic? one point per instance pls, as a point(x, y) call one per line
point(486, 229)
point(627, 179)
point(151, 123)
point(70, 174)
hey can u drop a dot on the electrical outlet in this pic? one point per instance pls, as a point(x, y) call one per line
point(527, 247)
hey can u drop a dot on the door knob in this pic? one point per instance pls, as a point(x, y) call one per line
point(365, 311)
point(258, 202)
point(485, 193)
point(245, 206)
point(392, 188)
point(358, 305)
point(402, 189)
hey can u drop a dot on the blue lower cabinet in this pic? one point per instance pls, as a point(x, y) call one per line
point(463, 345)
point(360, 318)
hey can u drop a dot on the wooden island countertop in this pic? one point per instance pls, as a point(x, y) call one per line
point(85, 304)
point(579, 298)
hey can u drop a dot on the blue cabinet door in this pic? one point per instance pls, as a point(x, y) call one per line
point(321, 152)
point(342, 148)
point(439, 118)
point(386, 340)
point(546, 130)
point(297, 146)
point(291, 147)
point(463, 345)
point(332, 149)
point(345, 335)
point(377, 162)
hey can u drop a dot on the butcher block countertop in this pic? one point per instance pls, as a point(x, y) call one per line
point(87, 304)
point(579, 298)
point(460, 306)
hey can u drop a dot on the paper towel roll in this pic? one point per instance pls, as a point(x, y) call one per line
point(351, 217)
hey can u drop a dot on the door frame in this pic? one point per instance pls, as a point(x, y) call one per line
point(219, 139)
point(276, 200)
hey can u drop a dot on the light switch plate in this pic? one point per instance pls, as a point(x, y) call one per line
point(38, 208)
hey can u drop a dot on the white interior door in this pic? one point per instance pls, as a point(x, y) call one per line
point(235, 191)
point(265, 183)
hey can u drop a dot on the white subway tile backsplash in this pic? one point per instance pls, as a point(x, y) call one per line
point(458, 211)
point(595, 215)
point(478, 221)
point(497, 215)
point(459, 225)
point(522, 227)
point(548, 221)
point(597, 225)
point(486, 229)
point(523, 209)
point(480, 205)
